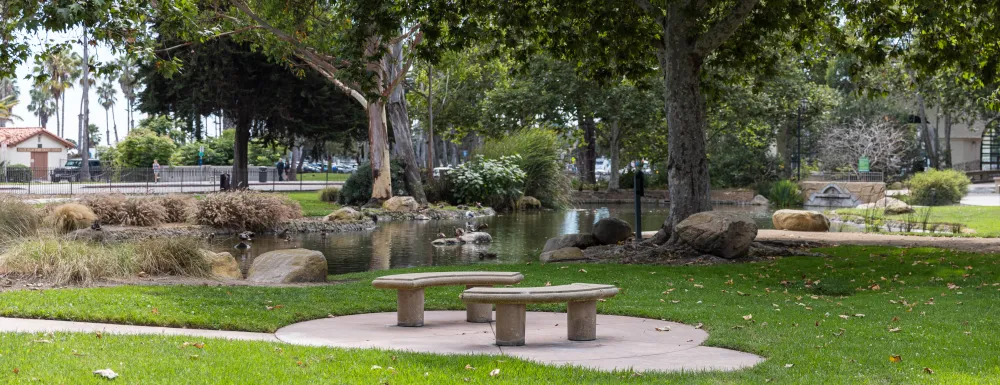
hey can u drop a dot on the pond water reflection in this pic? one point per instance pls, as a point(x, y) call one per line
point(517, 237)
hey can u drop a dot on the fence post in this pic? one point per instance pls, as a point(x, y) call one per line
point(182, 181)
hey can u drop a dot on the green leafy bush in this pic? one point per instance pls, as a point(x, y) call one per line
point(498, 183)
point(938, 187)
point(329, 194)
point(785, 193)
point(539, 151)
point(357, 189)
point(141, 147)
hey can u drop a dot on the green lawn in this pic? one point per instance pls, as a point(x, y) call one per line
point(311, 205)
point(983, 219)
point(321, 177)
point(835, 320)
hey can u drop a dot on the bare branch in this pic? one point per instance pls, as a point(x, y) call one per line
point(882, 141)
point(724, 29)
point(405, 35)
point(404, 70)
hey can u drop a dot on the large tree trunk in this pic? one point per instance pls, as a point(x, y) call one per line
point(400, 118)
point(613, 143)
point(84, 144)
point(946, 154)
point(590, 148)
point(930, 136)
point(378, 140)
point(241, 158)
point(113, 120)
point(430, 120)
point(687, 162)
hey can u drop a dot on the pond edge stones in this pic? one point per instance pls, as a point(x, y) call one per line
point(289, 266)
point(720, 233)
point(569, 247)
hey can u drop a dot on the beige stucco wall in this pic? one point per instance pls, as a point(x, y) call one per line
point(55, 159)
point(866, 192)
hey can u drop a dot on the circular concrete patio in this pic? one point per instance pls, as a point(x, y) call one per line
point(622, 342)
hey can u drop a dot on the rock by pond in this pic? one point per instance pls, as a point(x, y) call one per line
point(720, 233)
point(289, 266)
point(800, 220)
point(611, 231)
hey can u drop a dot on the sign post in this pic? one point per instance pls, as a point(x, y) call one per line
point(864, 165)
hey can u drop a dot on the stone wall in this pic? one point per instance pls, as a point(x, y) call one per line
point(866, 192)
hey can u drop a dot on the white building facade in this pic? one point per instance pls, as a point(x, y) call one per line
point(34, 147)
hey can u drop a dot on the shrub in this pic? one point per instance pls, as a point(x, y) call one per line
point(107, 207)
point(63, 261)
point(141, 146)
point(143, 212)
point(785, 193)
point(246, 210)
point(626, 180)
point(357, 189)
point(496, 182)
point(69, 217)
point(329, 194)
point(180, 208)
point(439, 190)
point(528, 202)
point(17, 219)
point(939, 187)
point(539, 158)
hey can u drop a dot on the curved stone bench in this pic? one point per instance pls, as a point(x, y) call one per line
point(410, 291)
point(581, 314)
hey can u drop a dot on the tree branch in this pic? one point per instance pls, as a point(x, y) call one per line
point(405, 35)
point(652, 10)
point(404, 70)
point(724, 29)
point(233, 32)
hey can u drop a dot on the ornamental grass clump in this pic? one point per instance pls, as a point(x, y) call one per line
point(17, 219)
point(498, 183)
point(329, 194)
point(107, 207)
point(539, 158)
point(70, 217)
point(246, 210)
point(180, 208)
point(142, 212)
point(64, 262)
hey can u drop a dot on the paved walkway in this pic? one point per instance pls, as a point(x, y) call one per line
point(622, 343)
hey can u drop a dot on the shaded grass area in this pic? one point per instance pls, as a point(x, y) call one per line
point(982, 219)
point(321, 177)
point(311, 205)
point(835, 320)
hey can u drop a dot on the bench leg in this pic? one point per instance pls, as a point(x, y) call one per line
point(478, 312)
point(510, 324)
point(582, 321)
point(410, 307)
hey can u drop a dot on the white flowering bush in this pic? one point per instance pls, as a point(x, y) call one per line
point(498, 183)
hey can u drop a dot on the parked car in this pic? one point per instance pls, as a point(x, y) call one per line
point(71, 171)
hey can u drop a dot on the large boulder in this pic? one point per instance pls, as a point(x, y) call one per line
point(800, 220)
point(223, 264)
point(288, 266)
point(720, 233)
point(581, 241)
point(562, 255)
point(345, 214)
point(610, 231)
point(401, 205)
point(476, 237)
point(759, 200)
point(891, 205)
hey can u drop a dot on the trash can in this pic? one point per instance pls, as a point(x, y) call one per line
point(263, 175)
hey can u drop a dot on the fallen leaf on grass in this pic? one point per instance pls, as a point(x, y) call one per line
point(602, 300)
point(698, 286)
point(789, 365)
point(548, 283)
point(583, 270)
point(859, 315)
point(675, 301)
point(469, 367)
point(895, 358)
point(16, 370)
point(893, 330)
point(845, 316)
point(894, 319)
point(156, 311)
point(748, 317)
point(698, 325)
point(42, 341)
point(928, 371)
point(195, 357)
point(106, 373)
point(99, 335)
point(376, 367)
point(663, 329)
point(494, 372)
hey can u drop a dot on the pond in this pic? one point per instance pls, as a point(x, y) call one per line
point(517, 237)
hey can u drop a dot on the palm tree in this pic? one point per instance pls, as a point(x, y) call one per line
point(6, 110)
point(8, 95)
point(62, 68)
point(41, 104)
point(128, 83)
point(106, 96)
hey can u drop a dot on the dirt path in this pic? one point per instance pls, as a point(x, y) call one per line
point(983, 245)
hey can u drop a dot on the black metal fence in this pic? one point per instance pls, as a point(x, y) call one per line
point(143, 181)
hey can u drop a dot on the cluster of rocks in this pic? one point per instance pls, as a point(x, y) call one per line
point(475, 237)
point(404, 208)
point(279, 266)
point(570, 247)
point(892, 206)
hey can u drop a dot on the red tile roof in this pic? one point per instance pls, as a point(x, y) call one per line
point(15, 135)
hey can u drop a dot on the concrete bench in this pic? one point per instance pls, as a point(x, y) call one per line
point(410, 291)
point(581, 311)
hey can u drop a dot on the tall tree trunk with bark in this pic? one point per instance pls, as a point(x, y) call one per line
point(84, 144)
point(115, 122)
point(241, 156)
point(378, 141)
point(946, 154)
point(430, 120)
point(614, 144)
point(930, 135)
point(399, 116)
point(590, 148)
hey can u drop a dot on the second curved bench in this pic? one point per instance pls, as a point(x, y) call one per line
point(410, 291)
